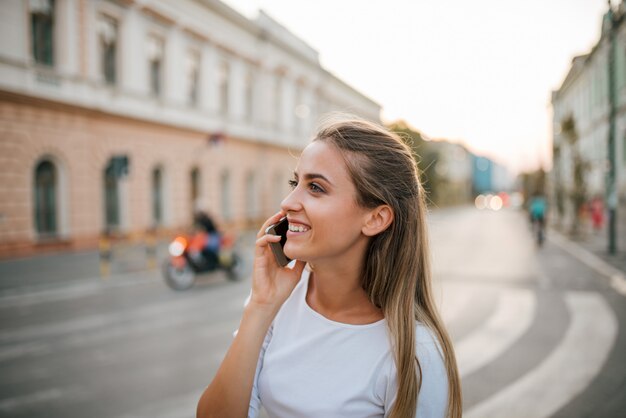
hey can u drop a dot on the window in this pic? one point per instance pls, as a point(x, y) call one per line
point(46, 186)
point(278, 90)
point(301, 110)
point(225, 194)
point(249, 95)
point(42, 31)
point(107, 34)
point(195, 190)
point(193, 74)
point(251, 197)
point(111, 197)
point(223, 75)
point(155, 58)
point(157, 196)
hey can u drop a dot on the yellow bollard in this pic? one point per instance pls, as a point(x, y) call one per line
point(104, 245)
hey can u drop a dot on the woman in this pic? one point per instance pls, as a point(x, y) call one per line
point(356, 333)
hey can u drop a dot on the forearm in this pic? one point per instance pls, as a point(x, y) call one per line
point(228, 395)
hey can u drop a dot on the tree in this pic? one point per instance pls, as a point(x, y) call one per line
point(559, 190)
point(578, 194)
point(425, 155)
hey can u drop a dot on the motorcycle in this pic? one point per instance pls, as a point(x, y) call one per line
point(189, 257)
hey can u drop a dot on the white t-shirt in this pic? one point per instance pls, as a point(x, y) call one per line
point(311, 366)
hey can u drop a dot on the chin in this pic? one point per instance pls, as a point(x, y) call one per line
point(293, 253)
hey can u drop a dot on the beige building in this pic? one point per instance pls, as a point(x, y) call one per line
point(581, 122)
point(126, 116)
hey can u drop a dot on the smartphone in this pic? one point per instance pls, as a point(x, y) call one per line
point(279, 228)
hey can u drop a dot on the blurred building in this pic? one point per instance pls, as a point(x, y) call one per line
point(123, 116)
point(581, 117)
point(482, 168)
point(490, 177)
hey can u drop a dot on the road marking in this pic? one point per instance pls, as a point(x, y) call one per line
point(32, 295)
point(617, 279)
point(566, 372)
point(16, 351)
point(453, 300)
point(513, 316)
point(42, 396)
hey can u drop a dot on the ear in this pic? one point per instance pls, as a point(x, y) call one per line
point(377, 220)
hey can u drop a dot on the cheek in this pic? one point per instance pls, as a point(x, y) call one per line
point(339, 225)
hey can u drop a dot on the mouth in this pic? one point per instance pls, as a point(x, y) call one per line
point(293, 227)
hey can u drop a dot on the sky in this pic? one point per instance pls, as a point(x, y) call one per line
point(477, 72)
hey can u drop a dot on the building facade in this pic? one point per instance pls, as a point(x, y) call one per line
point(126, 116)
point(581, 122)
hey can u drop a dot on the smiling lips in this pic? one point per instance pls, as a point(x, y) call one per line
point(298, 228)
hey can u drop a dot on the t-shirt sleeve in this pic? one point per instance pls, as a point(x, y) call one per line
point(255, 401)
point(432, 401)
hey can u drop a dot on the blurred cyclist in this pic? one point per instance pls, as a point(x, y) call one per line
point(537, 209)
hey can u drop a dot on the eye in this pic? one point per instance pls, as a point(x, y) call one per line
point(292, 184)
point(315, 188)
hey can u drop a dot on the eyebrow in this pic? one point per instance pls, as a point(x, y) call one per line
point(313, 176)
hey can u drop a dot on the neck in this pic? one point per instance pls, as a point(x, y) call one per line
point(335, 291)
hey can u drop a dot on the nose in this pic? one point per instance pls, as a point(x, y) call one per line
point(291, 202)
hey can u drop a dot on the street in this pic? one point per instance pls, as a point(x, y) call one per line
point(537, 331)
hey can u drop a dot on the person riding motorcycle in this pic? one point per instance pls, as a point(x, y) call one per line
point(211, 249)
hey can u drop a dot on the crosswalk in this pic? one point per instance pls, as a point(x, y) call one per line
point(558, 378)
point(491, 324)
point(539, 392)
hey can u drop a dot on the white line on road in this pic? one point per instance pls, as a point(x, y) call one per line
point(566, 372)
point(454, 300)
point(513, 316)
point(45, 395)
point(32, 295)
point(617, 278)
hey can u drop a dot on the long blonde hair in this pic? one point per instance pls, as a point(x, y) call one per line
point(396, 275)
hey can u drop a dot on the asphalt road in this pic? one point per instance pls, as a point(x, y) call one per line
point(537, 331)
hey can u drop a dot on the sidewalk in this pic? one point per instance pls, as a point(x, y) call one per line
point(51, 270)
point(592, 249)
point(597, 242)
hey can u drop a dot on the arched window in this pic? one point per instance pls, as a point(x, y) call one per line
point(157, 196)
point(225, 195)
point(111, 196)
point(251, 197)
point(46, 192)
point(195, 190)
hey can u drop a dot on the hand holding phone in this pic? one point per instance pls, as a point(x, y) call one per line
point(280, 228)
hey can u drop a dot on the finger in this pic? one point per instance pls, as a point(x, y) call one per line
point(262, 243)
point(267, 238)
point(272, 220)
